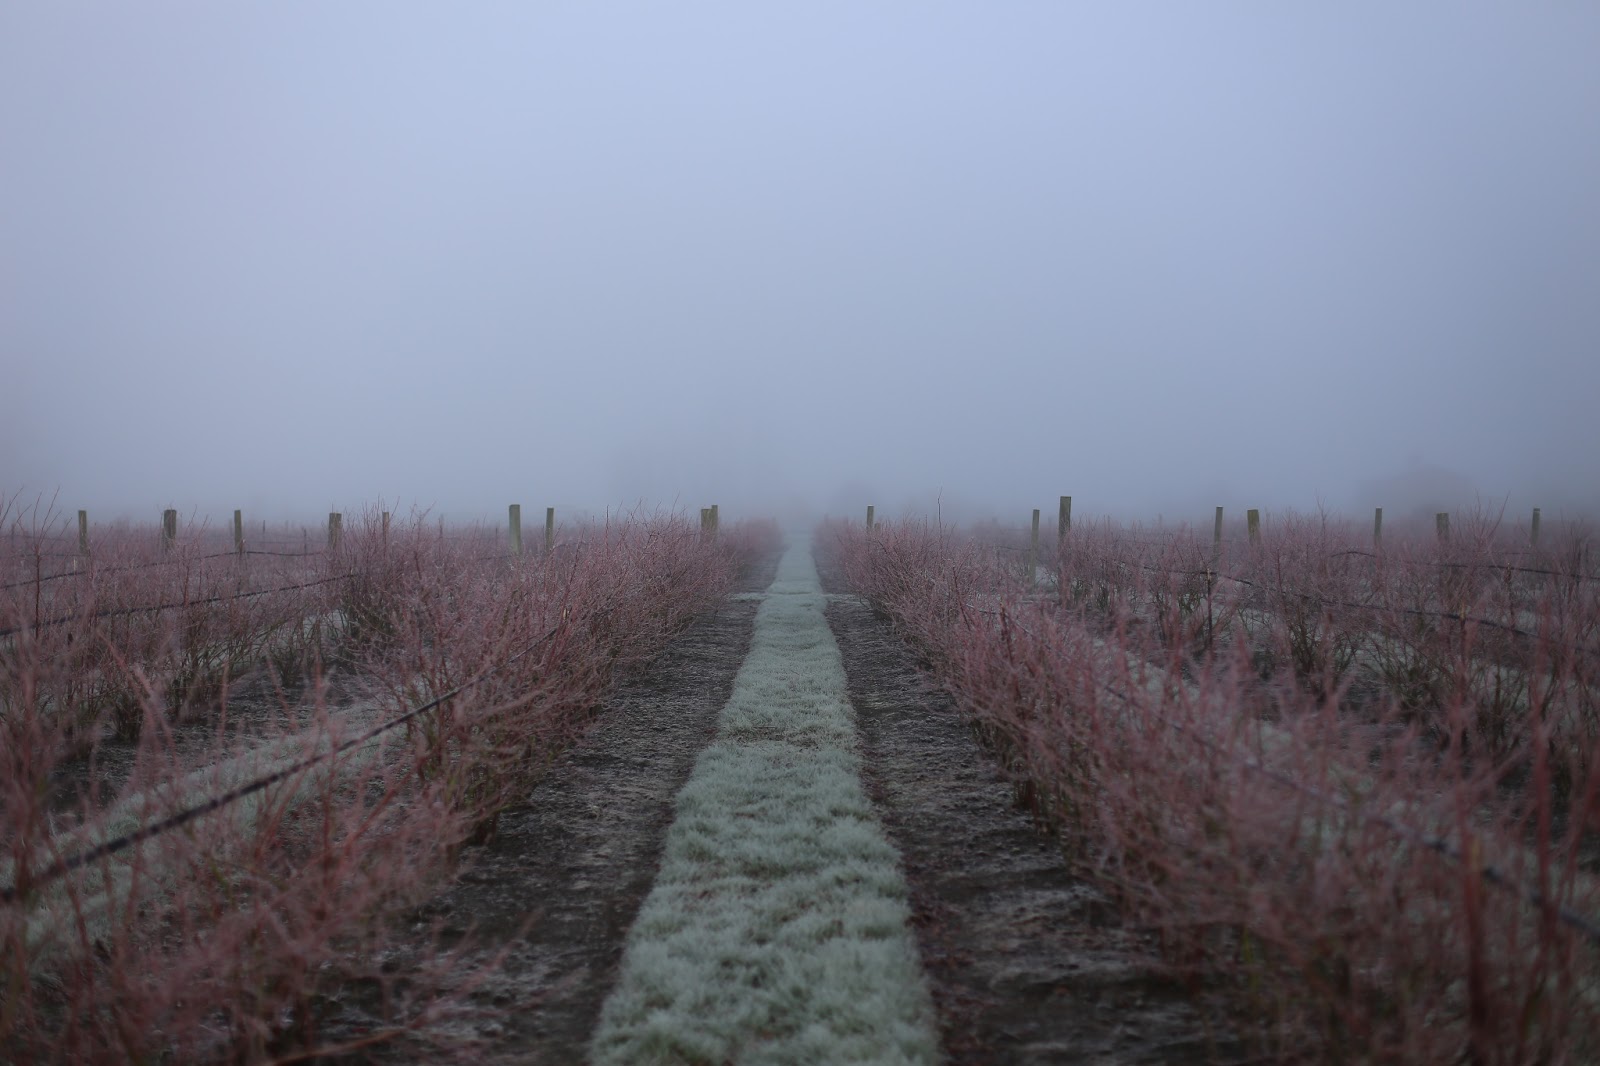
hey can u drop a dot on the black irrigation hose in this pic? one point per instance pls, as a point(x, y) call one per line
point(1449, 616)
point(1397, 561)
point(96, 571)
point(62, 867)
point(118, 612)
point(1415, 612)
point(1445, 564)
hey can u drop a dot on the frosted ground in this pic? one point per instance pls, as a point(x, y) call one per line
point(777, 927)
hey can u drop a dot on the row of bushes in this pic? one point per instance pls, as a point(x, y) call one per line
point(229, 938)
point(1373, 875)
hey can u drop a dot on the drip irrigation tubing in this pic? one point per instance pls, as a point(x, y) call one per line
point(1499, 568)
point(1447, 565)
point(94, 571)
point(1415, 612)
point(61, 867)
point(118, 612)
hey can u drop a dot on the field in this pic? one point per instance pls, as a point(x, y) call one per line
point(906, 793)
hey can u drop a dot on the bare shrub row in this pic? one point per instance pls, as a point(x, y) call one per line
point(1237, 745)
point(237, 936)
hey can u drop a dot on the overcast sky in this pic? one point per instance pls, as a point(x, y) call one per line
point(294, 256)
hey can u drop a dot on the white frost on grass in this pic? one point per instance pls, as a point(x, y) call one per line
point(776, 931)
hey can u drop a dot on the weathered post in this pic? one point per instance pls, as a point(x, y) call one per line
point(1441, 523)
point(1533, 531)
point(1033, 548)
point(386, 529)
point(83, 532)
point(705, 521)
point(869, 517)
point(1252, 521)
point(515, 513)
point(1377, 527)
point(549, 530)
point(1063, 527)
point(1216, 530)
point(335, 526)
point(238, 532)
point(169, 528)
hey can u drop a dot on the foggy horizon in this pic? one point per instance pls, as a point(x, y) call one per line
point(798, 260)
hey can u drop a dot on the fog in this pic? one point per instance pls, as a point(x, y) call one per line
point(799, 257)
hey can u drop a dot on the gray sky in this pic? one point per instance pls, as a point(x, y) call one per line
point(293, 256)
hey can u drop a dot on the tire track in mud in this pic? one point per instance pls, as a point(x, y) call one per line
point(1027, 961)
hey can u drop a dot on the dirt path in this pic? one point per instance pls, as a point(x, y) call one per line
point(1027, 962)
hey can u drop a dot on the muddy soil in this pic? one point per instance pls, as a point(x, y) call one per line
point(553, 895)
point(1027, 961)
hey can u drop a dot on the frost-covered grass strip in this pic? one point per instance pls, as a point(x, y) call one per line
point(776, 931)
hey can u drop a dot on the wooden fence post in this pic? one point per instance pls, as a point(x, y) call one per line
point(1441, 524)
point(386, 529)
point(1064, 520)
point(1252, 521)
point(1033, 548)
point(1216, 530)
point(1377, 527)
point(1533, 531)
point(169, 528)
point(716, 519)
point(238, 532)
point(335, 525)
point(83, 532)
point(515, 514)
point(705, 521)
point(549, 530)
point(869, 517)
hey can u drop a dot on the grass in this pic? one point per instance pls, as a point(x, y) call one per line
point(776, 931)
